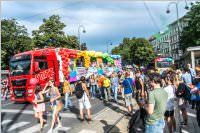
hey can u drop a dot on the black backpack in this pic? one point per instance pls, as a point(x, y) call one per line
point(137, 122)
point(183, 91)
point(79, 90)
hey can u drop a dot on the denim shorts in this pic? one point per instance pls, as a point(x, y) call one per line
point(157, 127)
point(128, 99)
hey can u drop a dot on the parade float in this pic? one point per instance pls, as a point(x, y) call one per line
point(56, 63)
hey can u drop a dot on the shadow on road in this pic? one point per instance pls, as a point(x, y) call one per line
point(108, 127)
point(115, 108)
point(14, 119)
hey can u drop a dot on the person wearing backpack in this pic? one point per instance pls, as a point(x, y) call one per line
point(107, 85)
point(156, 105)
point(196, 92)
point(127, 83)
point(67, 91)
point(137, 122)
point(139, 85)
point(82, 95)
point(181, 93)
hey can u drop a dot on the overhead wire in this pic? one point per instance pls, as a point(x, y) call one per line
point(151, 16)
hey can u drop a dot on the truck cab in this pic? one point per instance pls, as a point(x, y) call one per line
point(40, 64)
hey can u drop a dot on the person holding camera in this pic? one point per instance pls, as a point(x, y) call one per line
point(56, 103)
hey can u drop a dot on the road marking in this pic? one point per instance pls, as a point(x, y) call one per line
point(6, 104)
point(192, 115)
point(17, 111)
point(33, 129)
point(17, 125)
point(87, 131)
point(30, 112)
point(5, 122)
point(96, 117)
point(184, 131)
point(68, 115)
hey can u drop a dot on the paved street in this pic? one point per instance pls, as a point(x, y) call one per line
point(19, 118)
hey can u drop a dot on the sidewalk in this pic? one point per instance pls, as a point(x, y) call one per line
point(109, 120)
point(121, 126)
point(192, 127)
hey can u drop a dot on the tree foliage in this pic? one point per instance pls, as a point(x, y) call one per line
point(51, 33)
point(190, 36)
point(135, 50)
point(14, 39)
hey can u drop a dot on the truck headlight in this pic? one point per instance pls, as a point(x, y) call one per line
point(30, 91)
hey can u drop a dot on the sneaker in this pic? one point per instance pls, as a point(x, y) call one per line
point(81, 119)
point(50, 130)
point(89, 120)
point(41, 129)
point(59, 125)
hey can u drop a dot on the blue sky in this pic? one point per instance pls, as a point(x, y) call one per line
point(105, 21)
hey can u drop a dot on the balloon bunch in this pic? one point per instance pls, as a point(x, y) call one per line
point(65, 55)
point(91, 53)
point(94, 54)
point(99, 54)
point(107, 57)
point(86, 57)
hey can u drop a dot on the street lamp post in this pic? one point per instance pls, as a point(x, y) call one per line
point(107, 46)
point(177, 15)
point(79, 35)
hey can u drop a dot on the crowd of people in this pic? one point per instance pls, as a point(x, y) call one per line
point(155, 93)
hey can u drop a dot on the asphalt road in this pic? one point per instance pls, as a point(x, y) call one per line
point(19, 117)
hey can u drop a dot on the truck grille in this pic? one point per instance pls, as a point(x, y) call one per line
point(19, 93)
point(19, 82)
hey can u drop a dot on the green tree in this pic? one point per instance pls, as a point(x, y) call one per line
point(190, 36)
point(115, 50)
point(135, 50)
point(72, 42)
point(51, 33)
point(142, 51)
point(14, 39)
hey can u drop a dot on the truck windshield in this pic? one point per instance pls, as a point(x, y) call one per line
point(164, 64)
point(20, 67)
